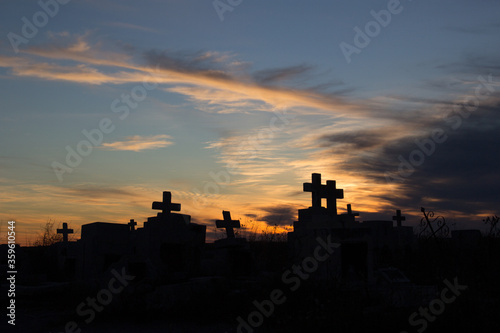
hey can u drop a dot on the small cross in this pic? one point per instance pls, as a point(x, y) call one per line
point(349, 211)
point(228, 224)
point(65, 231)
point(132, 224)
point(166, 206)
point(398, 217)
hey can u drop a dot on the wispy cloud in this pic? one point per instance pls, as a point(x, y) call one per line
point(138, 143)
point(196, 75)
point(131, 26)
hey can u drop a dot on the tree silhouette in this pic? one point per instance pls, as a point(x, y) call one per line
point(493, 222)
point(48, 236)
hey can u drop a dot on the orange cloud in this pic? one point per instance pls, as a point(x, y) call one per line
point(138, 143)
point(228, 87)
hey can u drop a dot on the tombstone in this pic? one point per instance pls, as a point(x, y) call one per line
point(317, 224)
point(390, 242)
point(328, 191)
point(65, 231)
point(348, 219)
point(230, 256)
point(102, 244)
point(166, 247)
point(332, 194)
point(66, 255)
point(382, 240)
point(228, 224)
point(132, 225)
point(316, 189)
point(398, 218)
point(166, 206)
point(349, 211)
point(317, 216)
point(171, 242)
point(62, 257)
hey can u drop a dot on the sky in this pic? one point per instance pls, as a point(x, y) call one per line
point(233, 104)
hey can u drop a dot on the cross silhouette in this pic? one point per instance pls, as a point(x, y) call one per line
point(228, 224)
point(65, 231)
point(332, 194)
point(166, 206)
point(132, 224)
point(315, 188)
point(328, 191)
point(398, 217)
point(349, 211)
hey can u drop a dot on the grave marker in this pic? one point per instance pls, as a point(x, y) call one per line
point(65, 231)
point(166, 206)
point(228, 224)
point(132, 224)
point(398, 217)
point(328, 191)
point(349, 211)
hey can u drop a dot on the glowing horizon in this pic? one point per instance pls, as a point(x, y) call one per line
point(100, 116)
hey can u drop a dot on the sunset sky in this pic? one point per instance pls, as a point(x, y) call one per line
point(231, 105)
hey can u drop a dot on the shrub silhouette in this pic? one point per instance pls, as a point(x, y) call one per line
point(48, 236)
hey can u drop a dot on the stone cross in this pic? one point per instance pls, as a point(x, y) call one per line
point(132, 224)
point(332, 194)
point(398, 217)
point(65, 231)
point(166, 206)
point(328, 191)
point(315, 188)
point(349, 211)
point(228, 224)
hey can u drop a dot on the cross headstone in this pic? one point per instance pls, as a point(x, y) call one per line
point(132, 224)
point(65, 231)
point(328, 191)
point(166, 206)
point(332, 194)
point(228, 224)
point(347, 216)
point(315, 188)
point(349, 211)
point(398, 217)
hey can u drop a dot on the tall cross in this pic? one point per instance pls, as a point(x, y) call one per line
point(315, 188)
point(328, 191)
point(228, 224)
point(332, 194)
point(166, 206)
point(132, 224)
point(398, 217)
point(65, 231)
